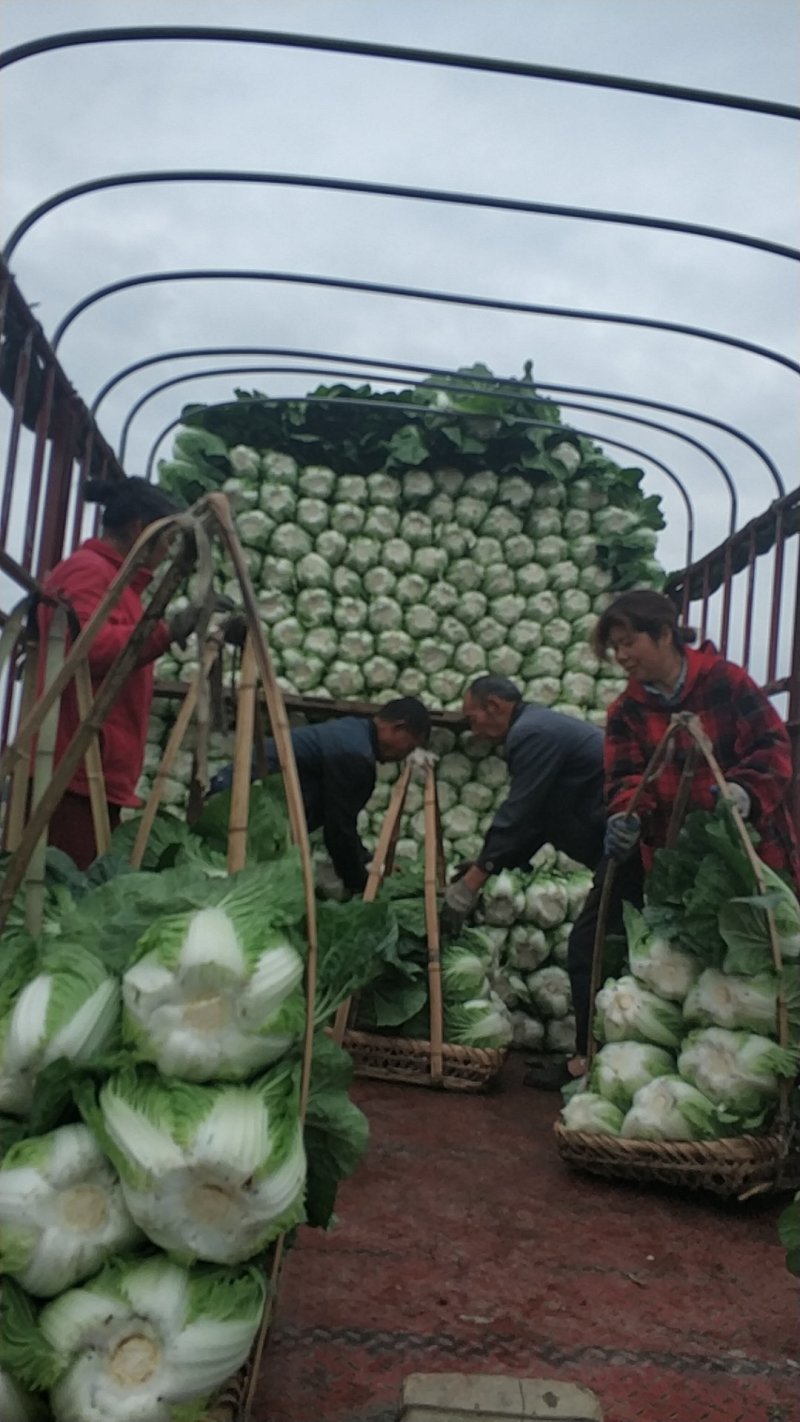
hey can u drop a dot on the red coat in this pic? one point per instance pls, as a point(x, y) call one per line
point(82, 580)
point(750, 742)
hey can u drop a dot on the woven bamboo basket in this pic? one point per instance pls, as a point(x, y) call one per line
point(29, 811)
point(404, 1059)
point(417, 1062)
point(733, 1167)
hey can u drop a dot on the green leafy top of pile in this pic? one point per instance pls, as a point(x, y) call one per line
point(486, 427)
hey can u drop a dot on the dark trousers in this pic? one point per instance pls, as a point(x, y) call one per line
point(628, 885)
point(72, 830)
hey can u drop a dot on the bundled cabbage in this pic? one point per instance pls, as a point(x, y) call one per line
point(662, 966)
point(70, 1009)
point(480, 1022)
point(143, 1339)
point(739, 1003)
point(737, 1070)
point(62, 1212)
point(670, 1109)
point(217, 993)
point(590, 1113)
point(463, 973)
point(208, 1172)
point(625, 1011)
point(620, 1069)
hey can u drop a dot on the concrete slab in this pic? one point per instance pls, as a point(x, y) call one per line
point(459, 1397)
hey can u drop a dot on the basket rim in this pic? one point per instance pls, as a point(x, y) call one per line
point(419, 1047)
point(736, 1149)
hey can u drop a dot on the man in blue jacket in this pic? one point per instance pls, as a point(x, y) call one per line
point(336, 763)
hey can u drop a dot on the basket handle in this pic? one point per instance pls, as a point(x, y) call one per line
point(381, 862)
point(434, 865)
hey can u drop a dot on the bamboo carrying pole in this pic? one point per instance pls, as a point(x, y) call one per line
point(381, 864)
point(43, 774)
point(432, 922)
point(242, 761)
point(94, 765)
point(20, 780)
point(281, 734)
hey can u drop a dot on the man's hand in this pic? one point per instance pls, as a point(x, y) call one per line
point(459, 902)
point(182, 624)
point(622, 836)
point(736, 796)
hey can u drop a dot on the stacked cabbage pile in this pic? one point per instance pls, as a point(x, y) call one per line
point(690, 1032)
point(529, 920)
point(407, 550)
point(150, 1073)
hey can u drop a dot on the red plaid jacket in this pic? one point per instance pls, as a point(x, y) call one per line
point(750, 742)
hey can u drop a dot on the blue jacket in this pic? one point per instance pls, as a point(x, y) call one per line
point(556, 794)
point(336, 766)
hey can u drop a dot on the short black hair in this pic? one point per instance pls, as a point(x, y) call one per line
point(126, 501)
point(500, 686)
point(408, 711)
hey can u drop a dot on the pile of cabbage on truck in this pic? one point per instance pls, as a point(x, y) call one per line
point(405, 552)
point(151, 1141)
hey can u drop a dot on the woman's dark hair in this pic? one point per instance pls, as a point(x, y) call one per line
point(127, 501)
point(640, 610)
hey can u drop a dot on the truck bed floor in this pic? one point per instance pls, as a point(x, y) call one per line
point(464, 1245)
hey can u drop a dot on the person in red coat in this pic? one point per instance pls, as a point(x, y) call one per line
point(749, 738)
point(82, 580)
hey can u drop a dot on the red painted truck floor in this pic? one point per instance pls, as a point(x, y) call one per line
point(463, 1244)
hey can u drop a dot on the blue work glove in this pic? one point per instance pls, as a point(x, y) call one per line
point(737, 796)
point(622, 836)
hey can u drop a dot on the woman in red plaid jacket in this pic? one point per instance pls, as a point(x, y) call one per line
point(749, 738)
point(750, 743)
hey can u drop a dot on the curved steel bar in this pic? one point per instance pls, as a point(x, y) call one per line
point(433, 385)
point(397, 405)
point(395, 190)
point(443, 58)
point(416, 294)
point(733, 430)
point(513, 386)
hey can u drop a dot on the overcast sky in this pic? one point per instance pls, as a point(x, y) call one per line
point(80, 114)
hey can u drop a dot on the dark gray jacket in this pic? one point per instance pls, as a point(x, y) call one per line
point(336, 767)
point(556, 796)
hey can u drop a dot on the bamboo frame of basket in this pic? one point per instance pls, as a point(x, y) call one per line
point(192, 526)
point(32, 774)
point(421, 1063)
point(19, 787)
point(234, 1402)
point(40, 720)
point(736, 1166)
